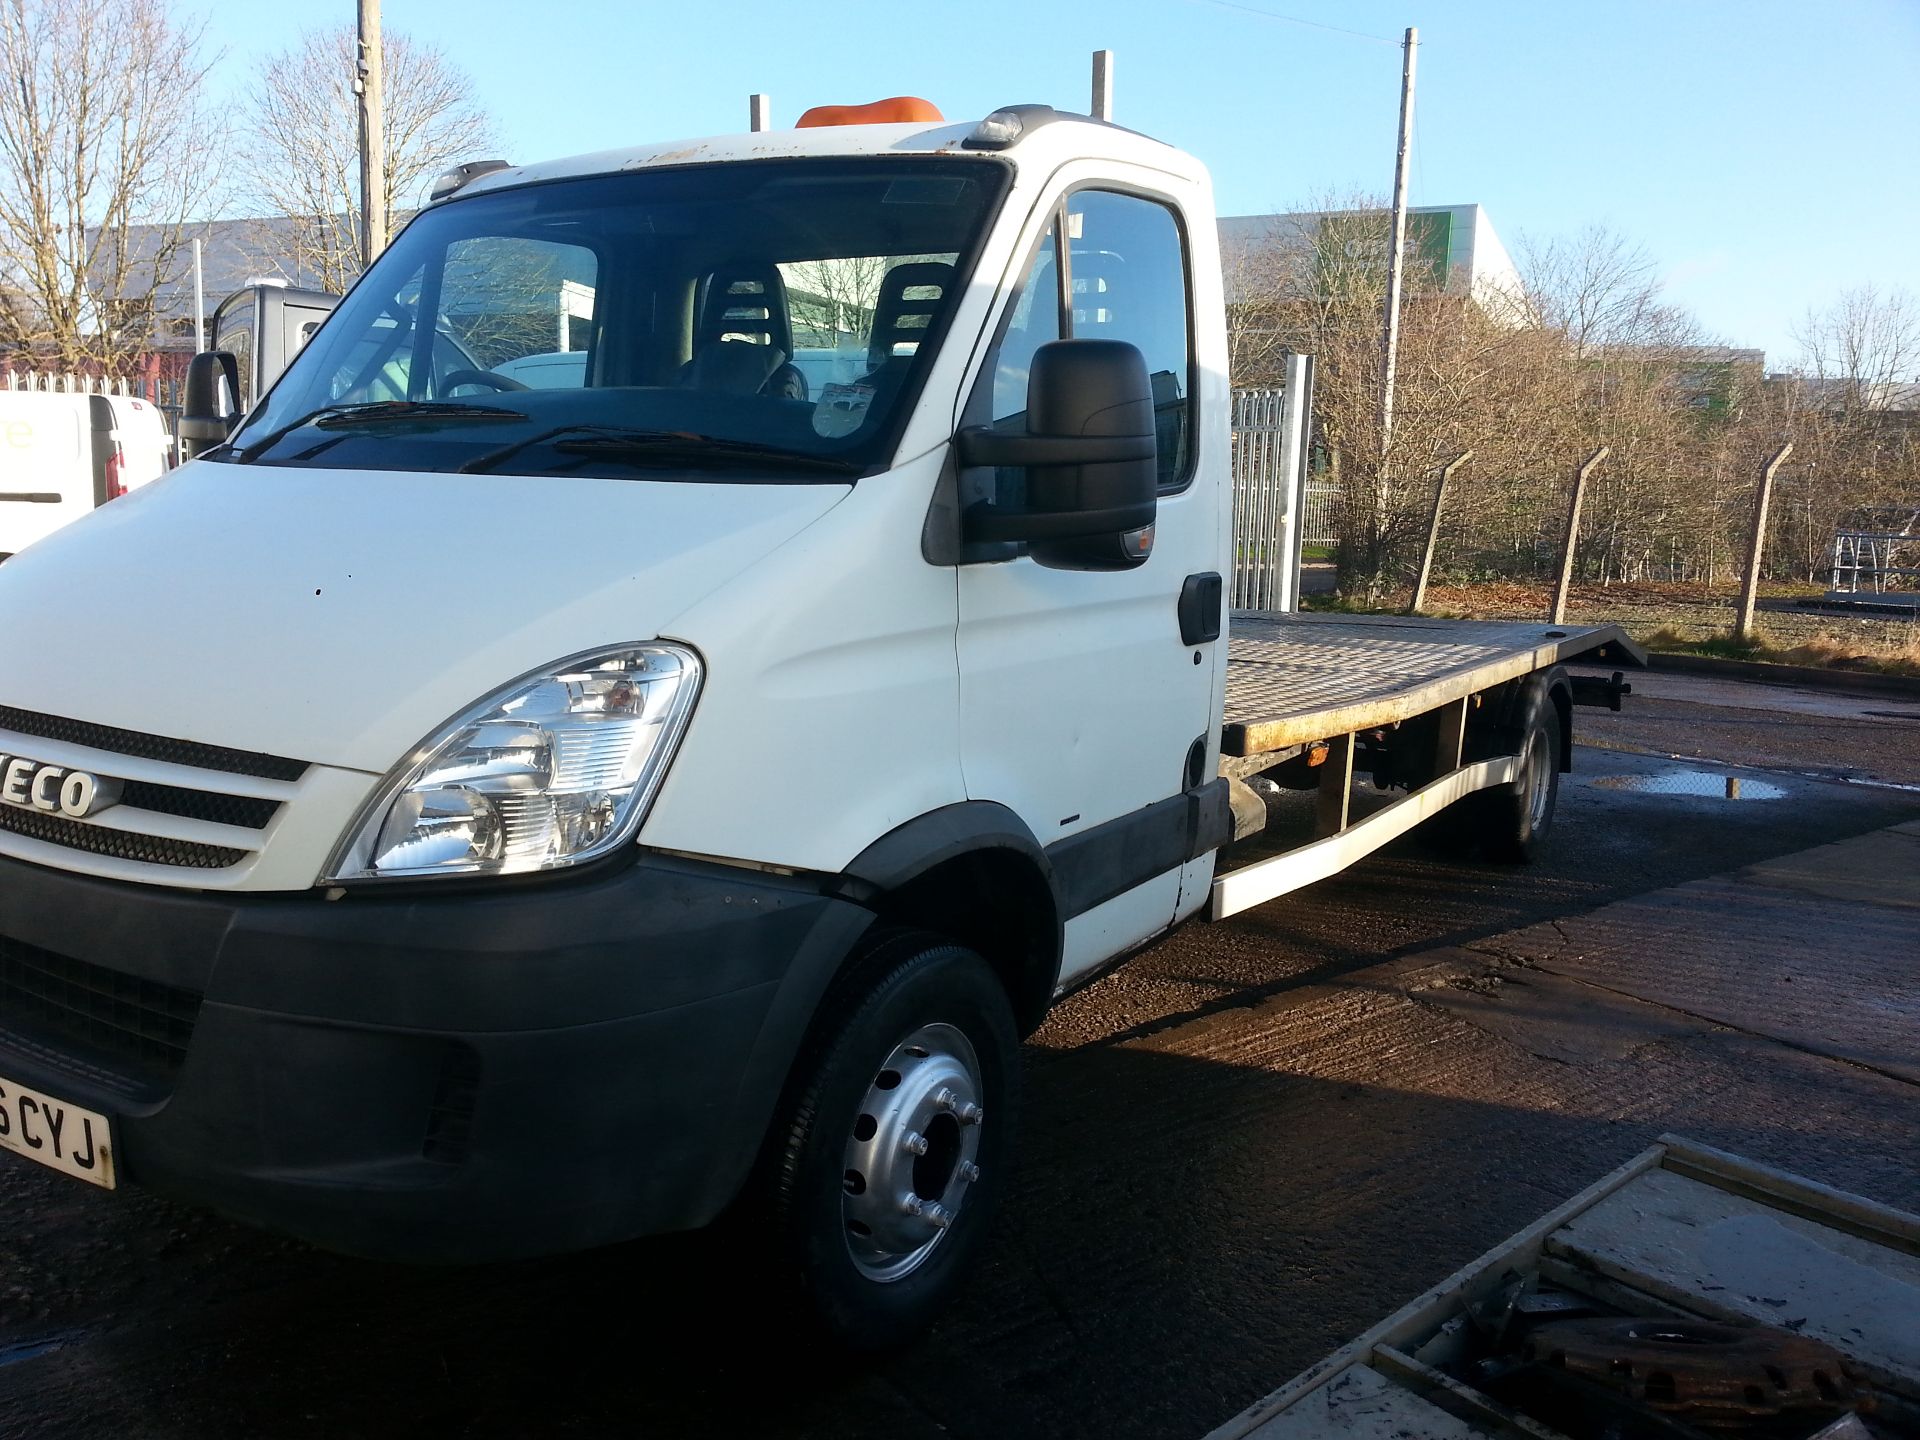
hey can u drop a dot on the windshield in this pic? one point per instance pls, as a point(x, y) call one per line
point(768, 319)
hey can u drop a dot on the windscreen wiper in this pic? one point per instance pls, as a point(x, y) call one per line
point(376, 412)
point(641, 447)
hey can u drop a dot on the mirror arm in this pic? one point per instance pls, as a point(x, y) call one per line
point(982, 445)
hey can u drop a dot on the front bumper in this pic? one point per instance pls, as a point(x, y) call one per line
point(448, 1077)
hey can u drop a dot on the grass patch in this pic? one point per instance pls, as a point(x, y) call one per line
point(1895, 655)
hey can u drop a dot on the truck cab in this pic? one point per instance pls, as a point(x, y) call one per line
point(263, 326)
point(698, 651)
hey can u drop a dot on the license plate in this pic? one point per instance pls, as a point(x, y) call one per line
point(59, 1135)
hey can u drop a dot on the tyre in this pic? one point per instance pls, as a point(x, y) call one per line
point(1512, 821)
point(889, 1158)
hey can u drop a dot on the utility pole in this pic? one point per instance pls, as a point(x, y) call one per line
point(1396, 255)
point(373, 136)
point(1102, 85)
point(759, 112)
point(1757, 547)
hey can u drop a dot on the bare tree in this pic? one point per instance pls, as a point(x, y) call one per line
point(303, 158)
point(1599, 288)
point(1862, 346)
point(101, 131)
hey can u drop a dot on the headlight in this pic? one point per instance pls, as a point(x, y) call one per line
point(555, 769)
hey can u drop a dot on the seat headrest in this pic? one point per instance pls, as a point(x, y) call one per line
point(746, 300)
point(910, 296)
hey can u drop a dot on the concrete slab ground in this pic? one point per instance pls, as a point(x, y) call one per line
point(1819, 950)
point(1236, 1152)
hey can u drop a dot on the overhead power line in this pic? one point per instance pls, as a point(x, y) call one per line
point(1296, 20)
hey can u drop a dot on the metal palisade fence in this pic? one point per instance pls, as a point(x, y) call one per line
point(1270, 430)
point(57, 383)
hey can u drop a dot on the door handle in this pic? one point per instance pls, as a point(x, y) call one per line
point(1199, 610)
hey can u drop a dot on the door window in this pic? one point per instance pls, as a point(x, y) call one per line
point(1128, 273)
point(1127, 278)
point(239, 339)
point(1032, 321)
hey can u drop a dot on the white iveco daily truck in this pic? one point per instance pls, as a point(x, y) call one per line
point(451, 820)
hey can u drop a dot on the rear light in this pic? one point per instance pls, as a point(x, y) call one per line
point(116, 486)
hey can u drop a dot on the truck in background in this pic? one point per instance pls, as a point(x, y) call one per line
point(263, 326)
point(526, 817)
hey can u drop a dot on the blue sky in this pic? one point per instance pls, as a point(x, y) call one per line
point(1762, 151)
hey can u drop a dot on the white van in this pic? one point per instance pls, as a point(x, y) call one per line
point(63, 455)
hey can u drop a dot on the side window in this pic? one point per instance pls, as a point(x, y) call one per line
point(373, 366)
point(1033, 320)
point(517, 308)
point(239, 339)
point(1127, 274)
point(1128, 266)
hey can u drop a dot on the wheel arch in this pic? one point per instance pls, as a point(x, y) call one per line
point(974, 873)
point(1511, 711)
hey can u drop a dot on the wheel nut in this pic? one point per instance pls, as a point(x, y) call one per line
point(969, 1171)
point(970, 1113)
point(938, 1216)
point(945, 1098)
point(915, 1143)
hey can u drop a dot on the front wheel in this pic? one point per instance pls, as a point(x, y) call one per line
point(891, 1154)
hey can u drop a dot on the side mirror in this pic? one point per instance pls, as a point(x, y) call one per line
point(202, 422)
point(1088, 450)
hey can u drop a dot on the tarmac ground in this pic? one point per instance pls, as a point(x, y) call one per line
point(1238, 1150)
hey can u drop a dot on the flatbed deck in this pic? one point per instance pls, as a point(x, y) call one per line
point(1293, 679)
point(1296, 682)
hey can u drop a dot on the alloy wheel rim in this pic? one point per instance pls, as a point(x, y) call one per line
point(1539, 782)
point(911, 1153)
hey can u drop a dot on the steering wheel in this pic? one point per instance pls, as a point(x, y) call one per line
point(486, 378)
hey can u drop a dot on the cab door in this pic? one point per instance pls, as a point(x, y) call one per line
point(1083, 707)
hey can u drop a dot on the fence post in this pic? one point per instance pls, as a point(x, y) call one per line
point(1558, 615)
point(1433, 531)
point(1757, 550)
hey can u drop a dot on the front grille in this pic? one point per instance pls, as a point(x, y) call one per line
point(243, 810)
point(122, 1020)
point(120, 844)
point(150, 747)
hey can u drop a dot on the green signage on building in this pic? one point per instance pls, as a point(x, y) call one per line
point(1356, 244)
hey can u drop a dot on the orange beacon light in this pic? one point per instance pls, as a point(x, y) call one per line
point(899, 109)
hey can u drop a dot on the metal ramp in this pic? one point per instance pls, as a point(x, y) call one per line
point(1683, 1236)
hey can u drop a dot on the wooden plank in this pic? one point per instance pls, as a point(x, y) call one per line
point(1447, 1392)
point(1334, 802)
point(1718, 1253)
point(1360, 1404)
point(1298, 678)
point(1408, 1326)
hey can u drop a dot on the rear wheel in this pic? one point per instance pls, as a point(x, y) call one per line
point(1511, 821)
point(891, 1154)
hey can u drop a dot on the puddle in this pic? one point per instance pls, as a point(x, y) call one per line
point(34, 1349)
point(1708, 783)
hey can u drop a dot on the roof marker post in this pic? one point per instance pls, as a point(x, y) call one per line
point(1102, 85)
